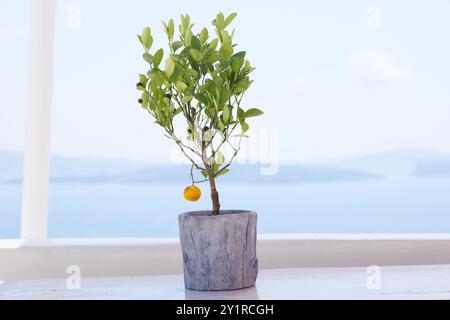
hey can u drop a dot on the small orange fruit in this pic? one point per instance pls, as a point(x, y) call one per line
point(192, 193)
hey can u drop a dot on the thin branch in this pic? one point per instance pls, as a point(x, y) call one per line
point(201, 181)
point(178, 141)
point(236, 151)
point(228, 164)
point(192, 175)
point(182, 146)
point(190, 159)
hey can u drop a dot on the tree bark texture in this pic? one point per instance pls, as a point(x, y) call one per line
point(219, 252)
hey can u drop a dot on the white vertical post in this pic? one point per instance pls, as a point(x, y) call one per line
point(34, 220)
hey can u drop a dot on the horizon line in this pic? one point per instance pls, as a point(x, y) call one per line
point(338, 159)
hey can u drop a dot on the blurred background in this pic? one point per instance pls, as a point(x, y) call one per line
point(355, 136)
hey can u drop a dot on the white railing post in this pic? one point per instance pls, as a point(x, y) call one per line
point(34, 221)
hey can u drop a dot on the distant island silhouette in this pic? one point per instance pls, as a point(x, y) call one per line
point(105, 170)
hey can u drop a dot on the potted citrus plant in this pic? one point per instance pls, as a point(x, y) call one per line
point(200, 87)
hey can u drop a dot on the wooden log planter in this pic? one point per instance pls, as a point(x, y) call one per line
point(219, 252)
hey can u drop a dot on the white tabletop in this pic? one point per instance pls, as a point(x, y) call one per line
point(394, 282)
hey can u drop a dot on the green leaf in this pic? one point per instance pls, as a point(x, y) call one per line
point(204, 173)
point(181, 86)
point(182, 24)
point(143, 79)
point(226, 114)
point(147, 57)
point(201, 98)
point(170, 66)
point(225, 64)
point(185, 22)
point(225, 93)
point(242, 85)
point(212, 57)
point(240, 55)
point(226, 39)
point(221, 125)
point(213, 44)
point(170, 29)
point(236, 65)
point(195, 54)
point(158, 57)
point(176, 74)
point(203, 36)
point(177, 45)
point(187, 99)
point(220, 21)
point(195, 43)
point(253, 112)
point(145, 97)
point(244, 127)
point(146, 38)
point(247, 66)
point(225, 52)
point(188, 37)
point(154, 83)
point(220, 159)
point(222, 172)
point(177, 111)
point(166, 29)
point(241, 115)
point(230, 19)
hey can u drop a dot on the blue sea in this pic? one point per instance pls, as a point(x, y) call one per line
point(391, 205)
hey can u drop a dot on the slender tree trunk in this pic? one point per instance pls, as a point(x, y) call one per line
point(214, 193)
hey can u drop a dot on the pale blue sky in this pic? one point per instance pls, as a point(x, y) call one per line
point(333, 87)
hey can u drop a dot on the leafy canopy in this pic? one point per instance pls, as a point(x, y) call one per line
point(203, 79)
